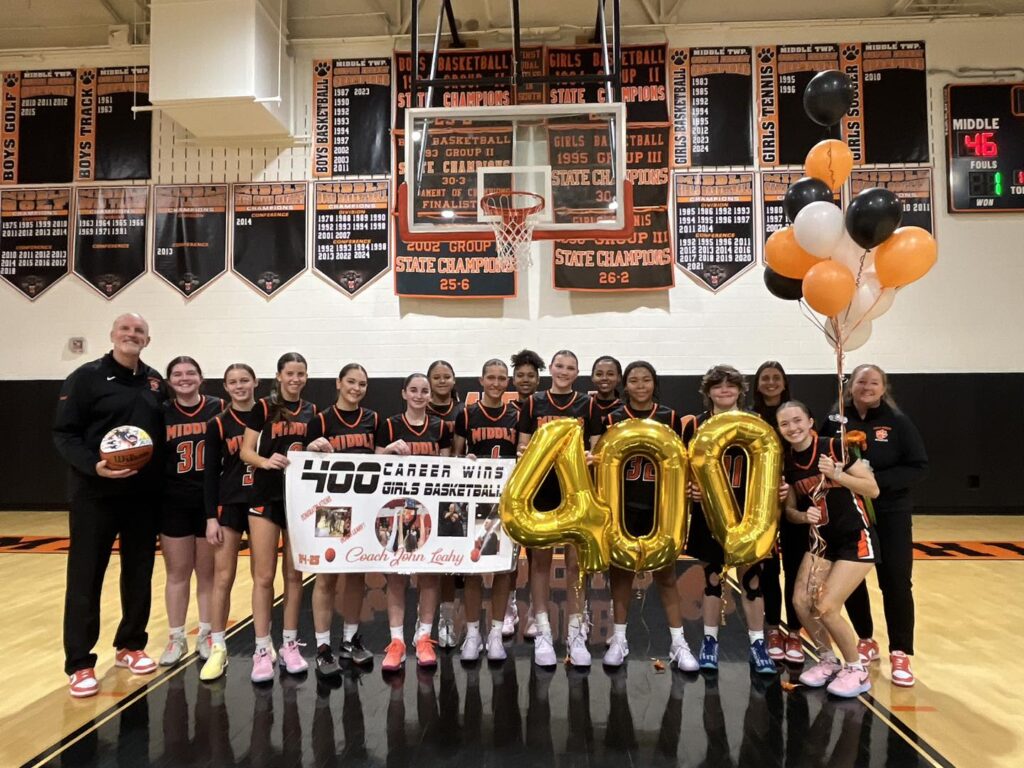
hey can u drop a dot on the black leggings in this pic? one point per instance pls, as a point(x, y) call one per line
point(793, 546)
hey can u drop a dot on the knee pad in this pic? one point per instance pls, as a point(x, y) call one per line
point(753, 572)
point(712, 590)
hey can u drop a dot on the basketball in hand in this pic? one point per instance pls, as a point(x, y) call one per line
point(126, 447)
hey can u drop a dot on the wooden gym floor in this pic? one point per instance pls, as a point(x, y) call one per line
point(969, 607)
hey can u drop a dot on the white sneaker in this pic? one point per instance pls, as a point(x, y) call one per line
point(203, 645)
point(511, 620)
point(176, 649)
point(544, 652)
point(495, 648)
point(471, 647)
point(531, 625)
point(579, 654)
point(618, 650)
point(682, 656)
point(446, 633)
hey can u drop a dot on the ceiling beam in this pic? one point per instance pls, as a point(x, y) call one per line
point(114, 15)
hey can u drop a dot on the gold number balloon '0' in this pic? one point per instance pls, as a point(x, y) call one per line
point(662, 446)
point(746, 535)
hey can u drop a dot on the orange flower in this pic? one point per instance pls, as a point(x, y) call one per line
point(857, 438)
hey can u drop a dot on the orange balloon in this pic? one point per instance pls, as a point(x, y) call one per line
point(783, 254)
point(831, 161)
point(829, 287)
point(906, 256)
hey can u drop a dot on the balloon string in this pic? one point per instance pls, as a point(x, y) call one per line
point(721, 583)
point(810, 316)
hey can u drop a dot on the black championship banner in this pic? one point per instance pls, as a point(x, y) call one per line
point(888, 122)
point(351, 117)
point(34, 238)
point(38, 126)
point(641, 263)
point(785, 134)
point(112, 143)
point(451, 270)
point(647, 161)
point(190, 224)
point(269, 234)
point(714, 226)
point(110, 236)
point(913, 186)
point(351, 227)
point(773, 192)
point(643, 79)
point(712, 109)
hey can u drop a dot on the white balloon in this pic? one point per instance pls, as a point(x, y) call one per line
point(849, 254)
point(885, 300)
point(852, 339)
point(863, 300)
point(818, 228)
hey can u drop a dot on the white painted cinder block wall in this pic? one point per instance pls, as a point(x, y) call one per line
point(967, 315)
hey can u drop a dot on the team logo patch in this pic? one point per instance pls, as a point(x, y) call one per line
point(154, 384)
point(882, 434)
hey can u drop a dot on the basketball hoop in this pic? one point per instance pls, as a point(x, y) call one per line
point(513, 225)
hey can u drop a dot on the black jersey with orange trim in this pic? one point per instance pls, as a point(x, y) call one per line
point(734, 461)
point(448, 413)
point(489, 432)
point(842, 511)
point(185, 450)
point(427, 439)
point(288, 432)
point(639, 474)
point(346, 431)
point(601, 410)
point(229, 479)
point(547, 406)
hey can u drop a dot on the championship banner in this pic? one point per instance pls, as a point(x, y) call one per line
point(112, 142)
point(352, 221)
point(913, 186)
point(110, 237)
point(190, 235)
point(351, 116)
point(269, 245)
point(34, 238)
point(38, 120)
point(643, 79)
point(712, 109)
point(714, 226)
point(647, 164)
point(773, 192)
point(397, 514)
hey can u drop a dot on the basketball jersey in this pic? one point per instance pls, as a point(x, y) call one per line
point(185, 450)
point(491, 433)
point(602, 409)
point(428, 439)
point(734, 461)
point(447, 413)
point(346, 431)
point(287, 433)
point(230, 479)
point(841, 510)
point(639, 473)
point(548, 406)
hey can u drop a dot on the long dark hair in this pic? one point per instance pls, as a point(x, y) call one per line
point(278, 411)
point(455, 387)
point(654, 375)
point(613, 361)
point(761, 408)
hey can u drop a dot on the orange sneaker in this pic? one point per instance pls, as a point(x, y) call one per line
point(394, 656)
point(901, 673)
point(776, 645)
point(426, 656)
point(83, 684)
point(867, 650)
point(136, 661)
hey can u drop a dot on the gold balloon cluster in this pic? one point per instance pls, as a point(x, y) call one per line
point(590, 515)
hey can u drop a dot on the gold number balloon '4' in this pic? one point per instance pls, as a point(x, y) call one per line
point(590, 518)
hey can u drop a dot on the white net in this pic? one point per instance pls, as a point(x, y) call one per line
point(513, 227)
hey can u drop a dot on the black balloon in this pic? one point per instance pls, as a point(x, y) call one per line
point(786, 288)
point(828, 96)
point(804, 192)
point(872, 216)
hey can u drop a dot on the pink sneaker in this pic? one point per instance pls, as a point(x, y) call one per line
point(291, 659)
point(850, 682)
point(821, 673)
point(262, 666)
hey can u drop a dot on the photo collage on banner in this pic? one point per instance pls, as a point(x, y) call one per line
point(269, 234)
point(351, 226)
point(34, 238)
point(190, 235)
point(110, 236)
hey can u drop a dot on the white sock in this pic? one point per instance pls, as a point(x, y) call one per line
point(575, 621)
point(497, 626)
point(350, 631)
point(177, 632)
point(543, 625)
point(620, 631)
point(289, 636)
point(713, 631)
point(398, 633)
point(676, 633)
point(856, 666)
point(263, 643)
point(447, 610)
point(323, 638)
point(217, 638)
point(755, 635)
point(473, 628)
point(423, 630)
point(204, 627)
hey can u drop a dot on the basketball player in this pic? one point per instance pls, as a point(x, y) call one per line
point(415, 432)
point(345, 427)
point(824, 493)
point(606, 376)
point(228, 493)
point(183, 518)
point(276, 425)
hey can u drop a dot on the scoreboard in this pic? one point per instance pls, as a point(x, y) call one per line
point(985, 147)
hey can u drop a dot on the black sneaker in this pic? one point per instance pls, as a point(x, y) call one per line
point(326, 664)
point(353, 650)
